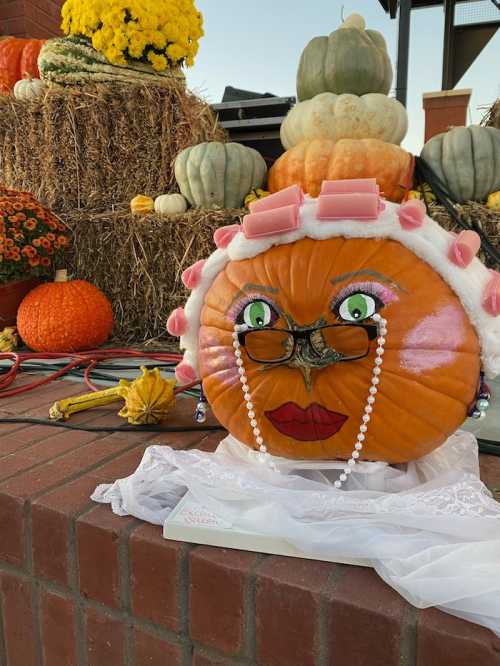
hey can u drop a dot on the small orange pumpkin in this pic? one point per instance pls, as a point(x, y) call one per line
point(311, 162)
point(65, 316)
point(431, 360)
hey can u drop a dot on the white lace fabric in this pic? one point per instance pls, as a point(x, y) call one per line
point(430, 529)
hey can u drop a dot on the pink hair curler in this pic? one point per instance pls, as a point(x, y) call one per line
point(290, 195)
point(185, 373)
point(177, 323)
point(224, 235)
point(350, 186)
point(352, 206)
point(411, 214)
point(491, 296)
point(191, 277)
point(271, 222)
point(464, 248)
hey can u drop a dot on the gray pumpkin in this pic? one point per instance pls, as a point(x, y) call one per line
point(466, 160)
point(219, 175)
point(350, 60)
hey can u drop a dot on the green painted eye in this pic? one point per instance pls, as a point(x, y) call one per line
point(357, 307)
point(257, 314)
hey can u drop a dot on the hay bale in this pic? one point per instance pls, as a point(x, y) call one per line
point(488, 221)
point(138, 262)
point(98, 146)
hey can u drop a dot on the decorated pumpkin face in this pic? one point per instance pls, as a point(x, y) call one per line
point(342, 327)
point(309, 402)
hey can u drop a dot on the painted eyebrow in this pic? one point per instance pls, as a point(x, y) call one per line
point(251, 287)
point(367, 273)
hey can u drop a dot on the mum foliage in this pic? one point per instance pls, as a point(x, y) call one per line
point(31, 237)
point(162, 33)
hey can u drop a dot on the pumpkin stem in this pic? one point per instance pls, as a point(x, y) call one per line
point(354, 21)
point(61, 275)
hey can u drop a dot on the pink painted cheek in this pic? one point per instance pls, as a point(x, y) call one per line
point(217, 360)
point(433, 341)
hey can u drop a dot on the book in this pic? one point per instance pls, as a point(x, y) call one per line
point(191, 522)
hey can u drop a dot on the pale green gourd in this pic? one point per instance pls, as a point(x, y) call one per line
point(466, 160)
point(72, 60)
point(350, 60)
point(330, 116)
point(219, 175)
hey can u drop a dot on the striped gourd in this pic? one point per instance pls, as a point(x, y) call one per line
point(72, 60)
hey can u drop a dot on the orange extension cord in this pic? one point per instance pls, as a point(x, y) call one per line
point(87, 360)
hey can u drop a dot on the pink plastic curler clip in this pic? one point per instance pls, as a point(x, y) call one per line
point(224, 235)
point(191, 277)
point(290, 195)
point(353, 206)
point(185, 373)
point(177, 323)
point(491, 296)
point(350, 186)
point(464, 248)
point(411, 214)
point(271, 222)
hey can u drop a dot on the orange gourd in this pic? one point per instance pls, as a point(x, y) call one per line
point(311, 162)
point(18, 59)
point(431, 360)
point(65, 316)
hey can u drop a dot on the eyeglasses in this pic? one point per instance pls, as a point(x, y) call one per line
point(329, 344)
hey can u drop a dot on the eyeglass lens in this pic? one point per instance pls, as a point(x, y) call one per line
point(270, 344)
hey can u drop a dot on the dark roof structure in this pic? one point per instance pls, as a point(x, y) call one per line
point(468, 27)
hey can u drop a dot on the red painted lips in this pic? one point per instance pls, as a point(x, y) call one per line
point(307, 425)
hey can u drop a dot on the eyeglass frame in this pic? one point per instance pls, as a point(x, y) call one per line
point(305, 334)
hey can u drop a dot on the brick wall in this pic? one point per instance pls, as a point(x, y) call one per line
point(80, 586)
point(30, 18)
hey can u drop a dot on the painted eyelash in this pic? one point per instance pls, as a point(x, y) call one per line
point(236, 310)
point(382, 294)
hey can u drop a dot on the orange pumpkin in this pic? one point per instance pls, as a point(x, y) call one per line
point(65, 316)
point(309, 163)
point(4, 86)
point(19, 59)
point(430, 366)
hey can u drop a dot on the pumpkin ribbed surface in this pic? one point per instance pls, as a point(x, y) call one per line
point(330, 116)
point(219, 175)
point(466, 160)
point(350, 60)
point(65, 317)
point(311, 162)
point(431, 361)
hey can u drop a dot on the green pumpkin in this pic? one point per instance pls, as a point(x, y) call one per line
point(350, 60)
point(466, 160)
point(73, 60)
point(219, 175)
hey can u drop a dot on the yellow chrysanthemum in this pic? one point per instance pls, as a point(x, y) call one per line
point(164, 33)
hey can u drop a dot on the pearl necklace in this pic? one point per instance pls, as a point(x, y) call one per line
point(365, 420)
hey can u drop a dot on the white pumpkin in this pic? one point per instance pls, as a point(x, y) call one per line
point(330, 116)
point(27, 89)
point(170, 204)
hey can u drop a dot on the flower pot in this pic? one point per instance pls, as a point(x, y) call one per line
point(11, 295)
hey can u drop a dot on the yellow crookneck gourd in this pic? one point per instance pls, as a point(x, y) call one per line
point(148, 399)
point(254, 195)
point(423, 192)
point(493, 202)
point(8, 339)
